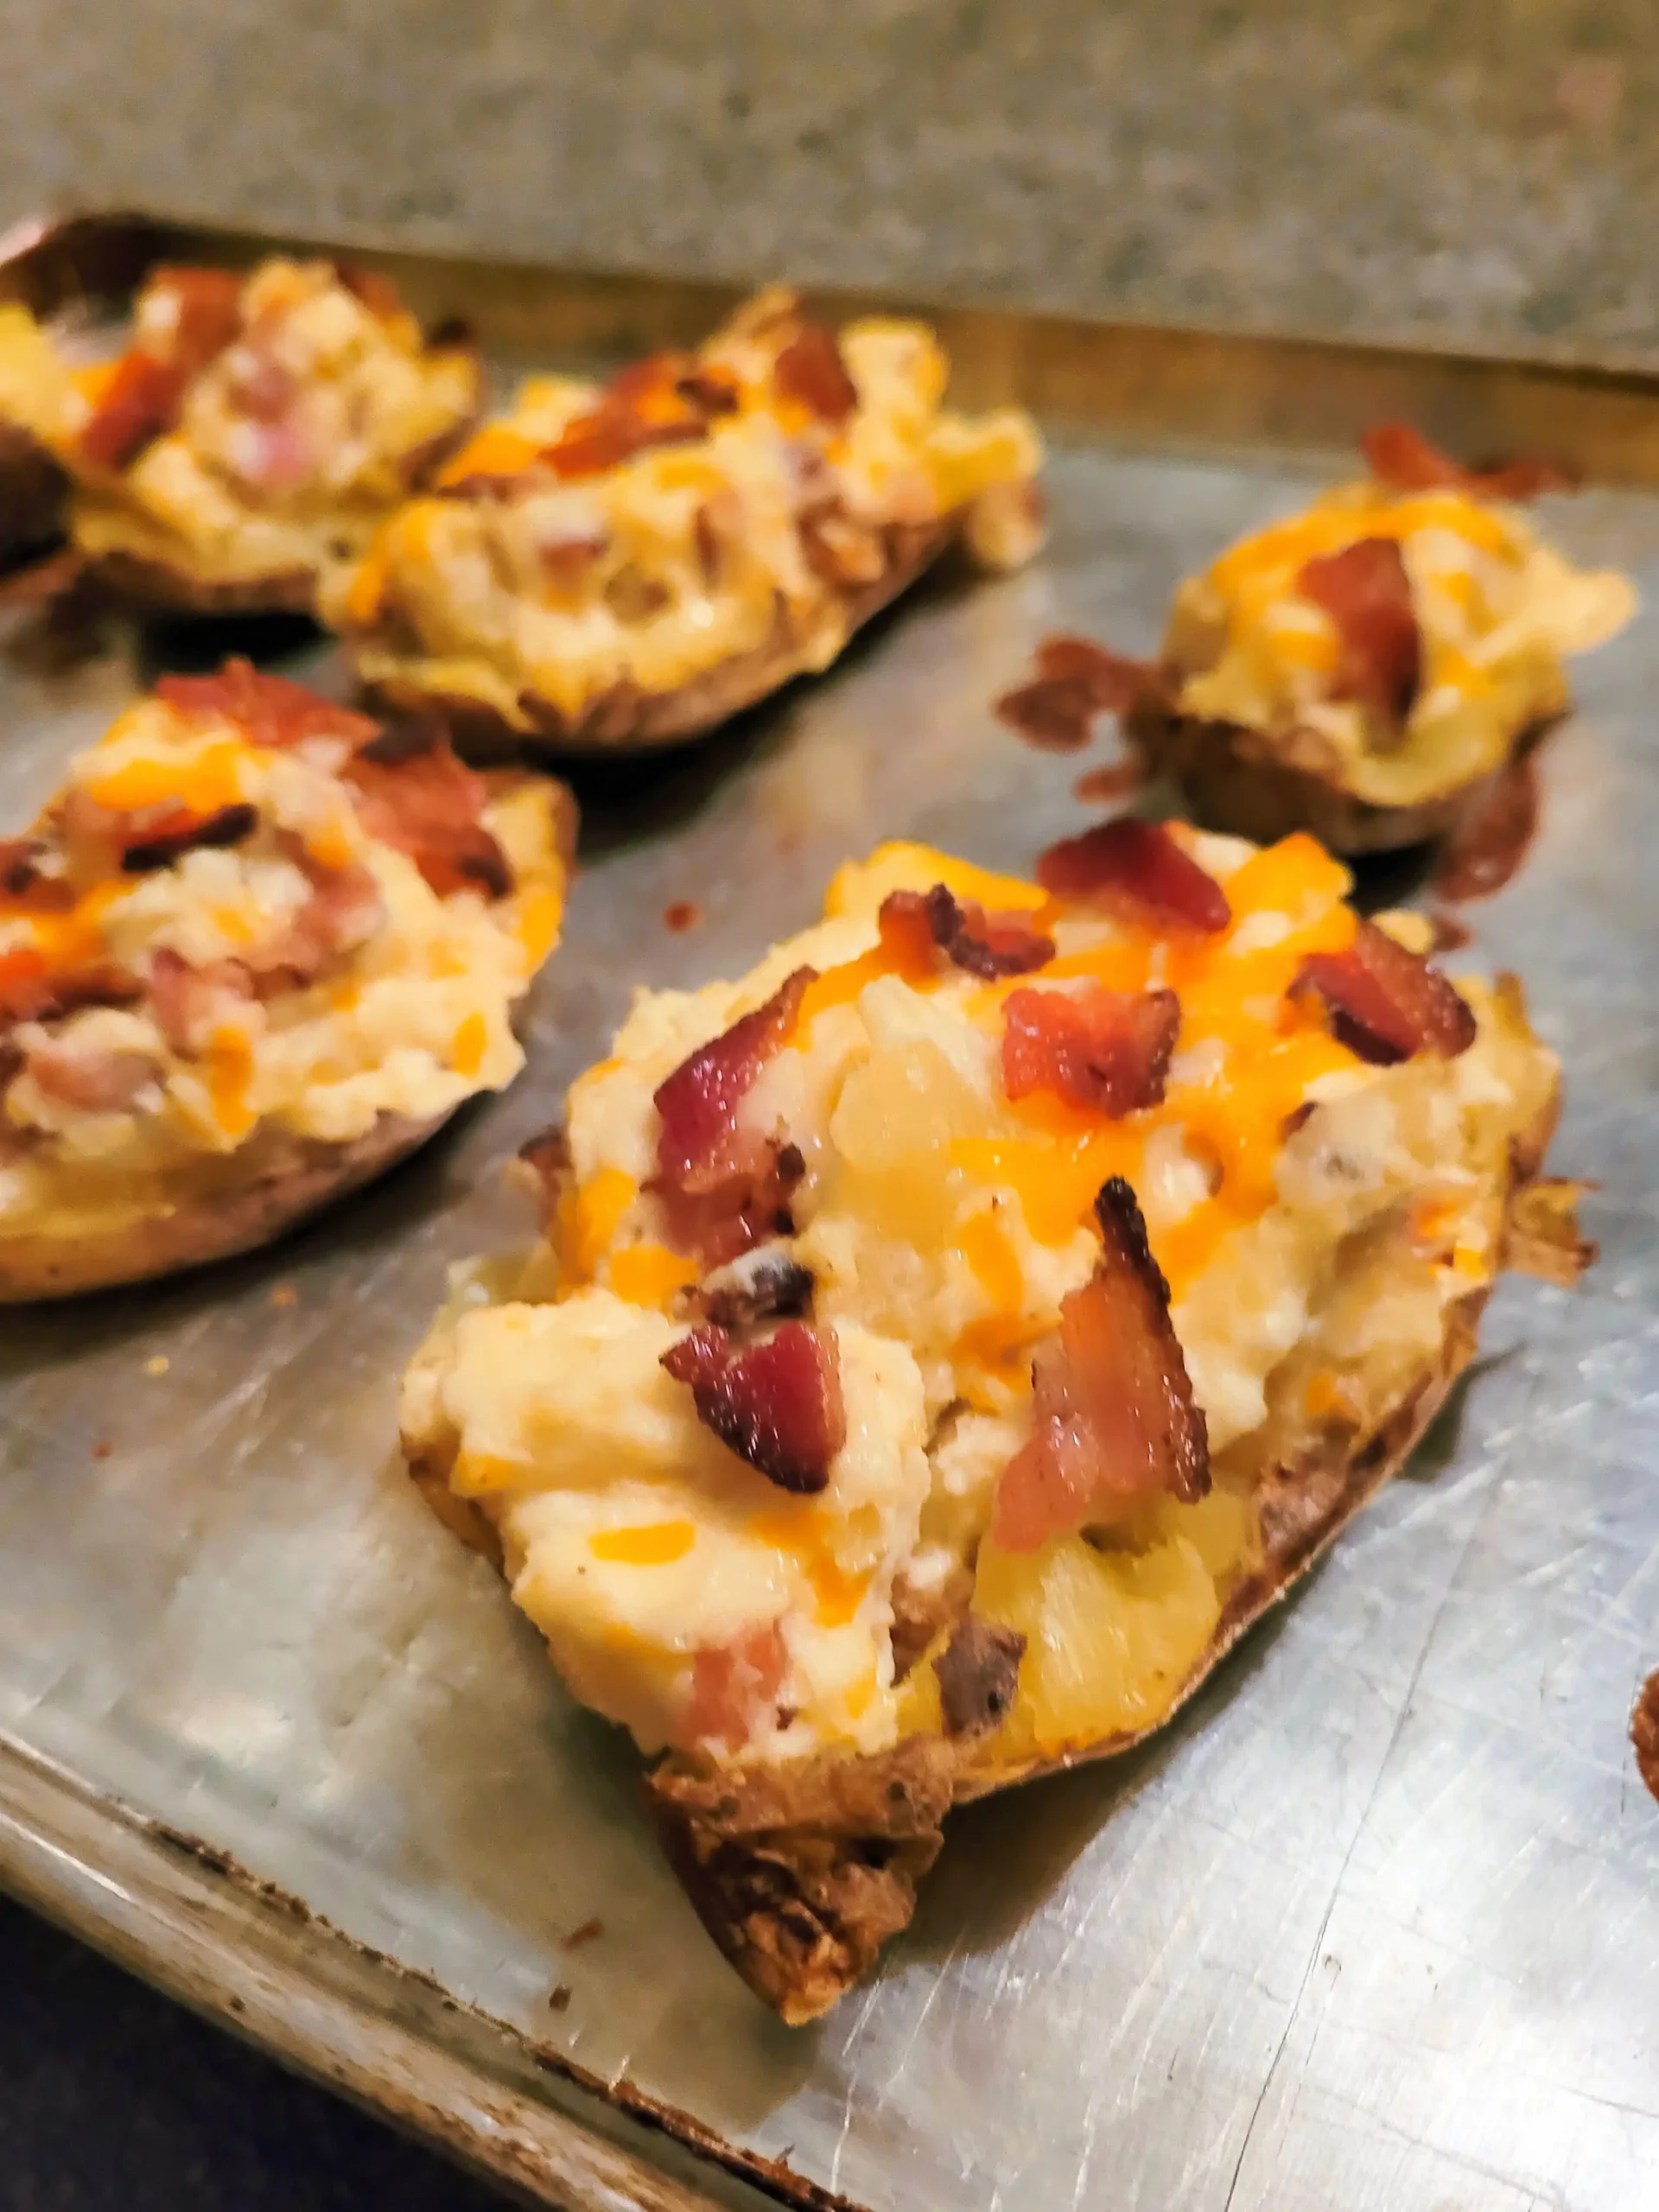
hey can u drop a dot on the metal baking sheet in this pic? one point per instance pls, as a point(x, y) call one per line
point(1375, 1924)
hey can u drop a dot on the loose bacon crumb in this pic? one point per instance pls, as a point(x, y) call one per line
point(681, 915)
point(1115, 1421)
point(1116, 681)
point(1367, 594)
point(418, 797)
point(776, 1404)
point(1055, 713)
point(273, 712)
point(810, 370)
point(178, 832)
point(1138, 872)
point(1402, 458)
point(1388, 1004)
point(1108, 1051)
point(986, 945)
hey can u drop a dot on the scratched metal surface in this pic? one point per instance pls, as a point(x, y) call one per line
point(1375, 1924)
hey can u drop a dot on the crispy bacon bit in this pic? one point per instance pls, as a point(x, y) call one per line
point(698, 1102)
point(760, 1286)
point(92, 1082)
point(915, 923)
point(178, 832)
point(810, 370)
point(422, 802)
point(978, 1672)
point(1115, 779)
point(1114, 682)
point(732, 1685)
point(207, 315)
point(24, 887)
point(31, 991)
point(1108, 1051)
point(1402, 458)
point(344, 911)
point(643, 405)
point(777, 1403)
point(273, 712)
point(188, 1002)
point(1115, 1421)
point(1055, 713)
point(1388, 1004)
point(1367, 594)
point(1137, 872)
point(1644, 1731)
point(139, 404)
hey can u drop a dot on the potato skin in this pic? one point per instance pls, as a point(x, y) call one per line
point(628, 720)
point(33, 492)
point(163, 588)
point(296, 1178)
point(1242, 781)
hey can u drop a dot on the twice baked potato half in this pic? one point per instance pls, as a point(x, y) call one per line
point(254, 950)
point(627, 565)
point(944, 1342)
point(1362, 670)
point(256, 429)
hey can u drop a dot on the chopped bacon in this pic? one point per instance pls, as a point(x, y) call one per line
point(988, 945)
point(655, 402)
point(711, 391)
point(762, 1285)
point(178, 831)
point(24, 886)
point(1400, 457)
point(413, 794)
point(263, 390)
point(1367, 594)
point(1108, 1051)
point(344, 911)
point(92, 1082)
point(1114, 682)
point(273, 712)
point(732, 1685)
point(188, 1002)
point(698, 1102)
point(1115, 1421)
point(1137, 872)
point(208, 315)
point(1388, 1004)
point(1054, 713)
point(139, 404)
point(777, 1403)
point(740, 1196)
point(810, 370)
point(31, 990)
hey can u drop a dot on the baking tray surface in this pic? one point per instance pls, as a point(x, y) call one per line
point(1375, 1922)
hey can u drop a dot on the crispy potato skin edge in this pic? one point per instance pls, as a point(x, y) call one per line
point(33, 493)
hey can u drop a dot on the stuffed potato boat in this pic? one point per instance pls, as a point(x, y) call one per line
point(1362, 670)
point(945, 1341)
point(256, 429)
point(627, 566)
point(254, 950)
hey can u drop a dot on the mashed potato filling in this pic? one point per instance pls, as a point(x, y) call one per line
point(1315, 1214)
point(303, 982)
point(1496, 611)
point(556, 559)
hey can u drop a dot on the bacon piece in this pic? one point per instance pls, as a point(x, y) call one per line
point(1114, 1419)
point(776, 1404)
point(1114, 682)
point(30, 991)
point(988, 945)
point(25, 888)
point(810, 370)
point(273, 712)
point(344, 911)
point(1400, 457)
point(413, 795)
point(1054, 713)
point(139, 404)
point(1367, 594)
point(92, 1082)
point(179, 831)
point(711, 391)
point(761, 1286)
point(188, 1002)
point(208, 317)
point(1108, 1051)
point(732, 1686)
point(1388, 1004)
point(1137, 872)
point(739, 1198)
point(698, 1102)
point(619, 427)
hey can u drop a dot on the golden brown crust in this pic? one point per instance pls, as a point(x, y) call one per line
point(296, 1177)
point(33, 488)
point(774, 1860)
point(1260, 786)
point(626, 719)
point(160, 586)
